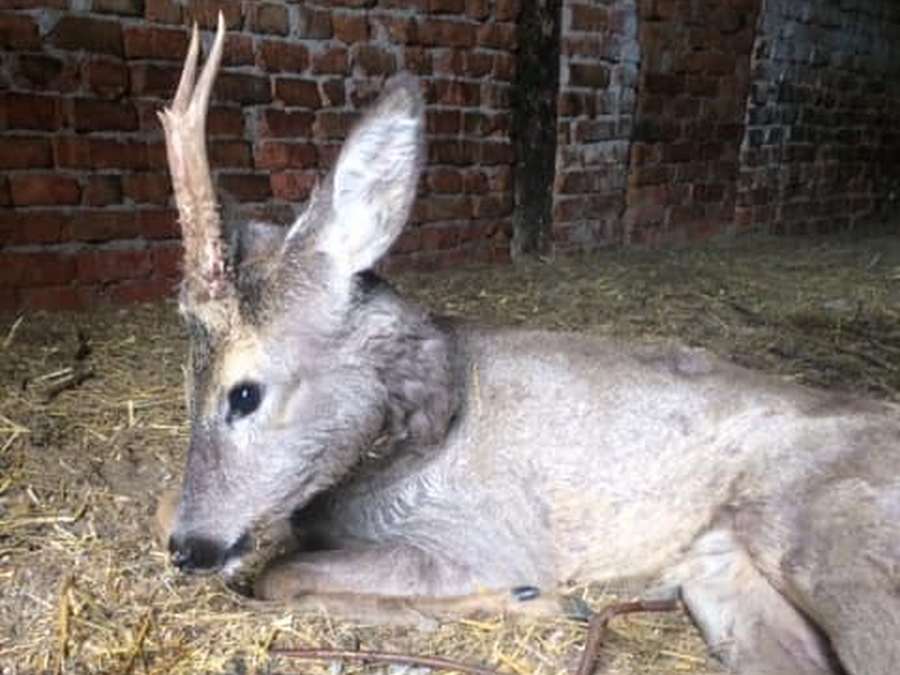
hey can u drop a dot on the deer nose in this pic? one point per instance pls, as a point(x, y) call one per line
point(196, 554)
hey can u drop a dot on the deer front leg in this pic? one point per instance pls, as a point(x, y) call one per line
point(398, 584)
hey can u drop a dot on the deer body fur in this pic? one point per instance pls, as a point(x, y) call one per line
point(433, 466)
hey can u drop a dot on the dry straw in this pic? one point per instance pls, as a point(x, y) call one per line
point(86, 590)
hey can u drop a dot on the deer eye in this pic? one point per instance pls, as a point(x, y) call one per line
point(243, 399)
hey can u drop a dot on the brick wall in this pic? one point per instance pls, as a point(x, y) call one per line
point(85, 207)
point(694, 77)
point(674, 120)
point(822, 142)
point(599, 56)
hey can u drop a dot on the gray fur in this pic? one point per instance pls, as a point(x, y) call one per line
point(433, 461)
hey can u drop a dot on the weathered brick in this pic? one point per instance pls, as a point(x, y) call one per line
point(447, 6)
point(439, 122)
point(595, 75)
point(157, 224)
point(333, 93)
point(446, 33)
point(46, 73)
point(277, 123)
point(111, 265)
point(27, 111)
point(350, 28)
point(25, 152)
point(35, 269)
point(154, 81)
point(276, 56)
point(206, 12)
point(373, 60)
point(102, 190)
point(35, 189)
point(238, 50)
point(293, 185)
point(444, 180)
point(242, 88)
point(225, 122)
point(454, 93)
point(32, 226)
point(34, 4)
point(589, 18)
point(283, 155)
point(89, 114)
point(80, 152)
point(163, 11)
point(297, 92)
point(167, 260)
point(270, 18)
point(105, 77)
point(246, 187)
point(333, 124)
point(497, 36)
point(89, 34)
point(101, 225)
point(314, 24)
point(507, 10)
point(18, 31)
point(130, 291)
point(334, 61)
point(229, 153)
point(147, 187)
point(143, 42)
point(492, 206)
point(478, 9)
point(121, 7)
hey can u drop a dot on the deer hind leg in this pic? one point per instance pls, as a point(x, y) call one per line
point(843, 568)
point(398, 584)
point(746, 623)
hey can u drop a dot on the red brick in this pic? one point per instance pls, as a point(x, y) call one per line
point(46, 73)
point(225, 122)
point(333, 124)
point(242, 88)
point(270, 18)
point(478, 9)
point(589, 18)
point(148, 79)
point(293, 185)
point(5, 197)
point(446, 33)
point(401, 29)
point(35, 189)
point(447, 207)
point(497, 152)
point(93, 35)
point(229, 153)
point(34, 226)
point(453, 151)
point(332, 61)
point(105, 77)
point(26, 111)
point(18, 32)
point(162, 11)
point(206, 12)
point(103, 190)
point(245, 187)
point(132, 291)
point(492, 206)
point(99, 225)
point(238, 50)
point(34, 4)
point(454, 93)
point(147, 187)
point(282, 155)
point(439, 122)
point(475, 182)
point(35, 269)
point(444, 180)
point(144, 42)
point(283, 56)
point(450, 62)
point(81, 152)
point(25, 152)
point(372, 60)
point(446, 6)
point(595, 75)
point(278, 123)
point(353, 3)
point(497, 36)
point(295, 92)
point(333, 93)
point(507, 10)
point(350, 28)
point(111, 265)
point(122, 7)
point(314, 24)
point(434, 237)
point(159, 224)
point(99, 115)
point(167, 260)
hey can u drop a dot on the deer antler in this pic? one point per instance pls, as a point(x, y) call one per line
point(184, 121)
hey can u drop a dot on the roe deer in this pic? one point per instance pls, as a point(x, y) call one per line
point(427, 461)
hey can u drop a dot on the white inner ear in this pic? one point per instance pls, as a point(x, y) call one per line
point(374, 183)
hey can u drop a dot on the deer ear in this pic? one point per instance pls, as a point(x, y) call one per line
point(374, 181)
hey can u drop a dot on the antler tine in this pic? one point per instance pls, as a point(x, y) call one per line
point(186, 83)
point(184, 122)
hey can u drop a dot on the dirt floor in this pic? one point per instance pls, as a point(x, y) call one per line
point(92, 428)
